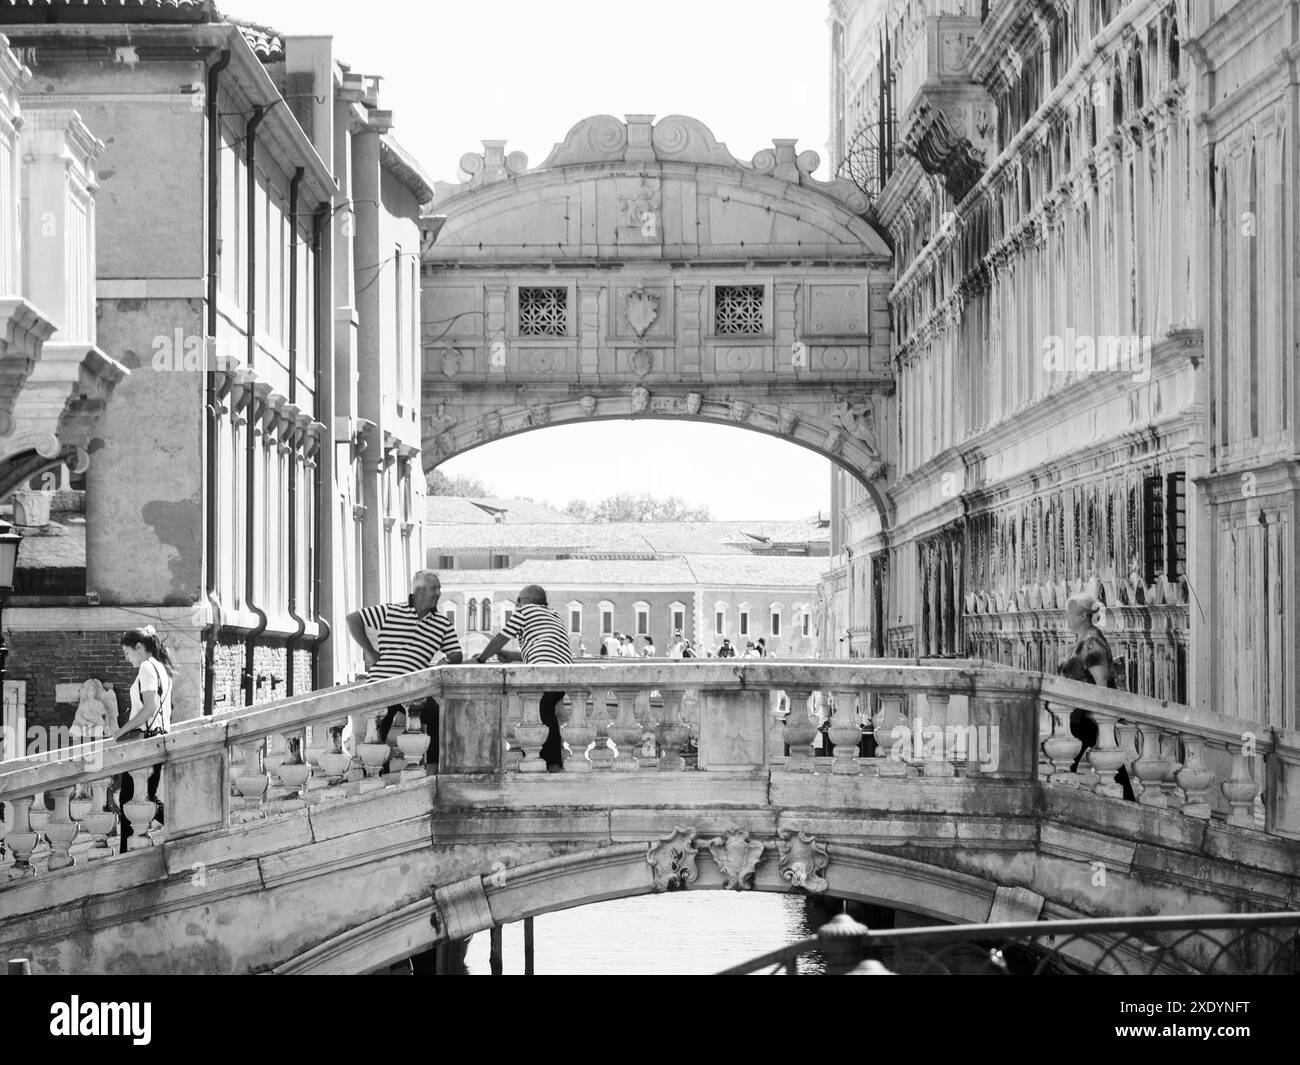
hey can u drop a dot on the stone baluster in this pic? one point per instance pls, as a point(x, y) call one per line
point(414, 742)
point(799, 731)
point(359, 722)
point(1044, 732)
point(100, 822)
point(626, 731)
point(647, 749)
point(333, 761)
point(672, 731)
point(577, 733)
point(889, 725)
point(249, 781)
point(40, 817)
point(1151, 769)
point(372, 752)
point(1105, 757)
point(61, 830)
point(601, 755)
point(21, 839)
point(140, 811)
point(1061, 747)
point(937, 758)
point(1126, 737)
point(1171, 755)
point(274, 755)
point(80, 806)
point(530, 734)
point(845, 733)
point(317, 745)
point(1240, 788)
point(294, 770)
point(1195, 778)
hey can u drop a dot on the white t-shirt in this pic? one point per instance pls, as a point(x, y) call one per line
point(153, 677)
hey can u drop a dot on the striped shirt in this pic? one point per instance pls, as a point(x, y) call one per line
point(543, 639)
point(407, 642)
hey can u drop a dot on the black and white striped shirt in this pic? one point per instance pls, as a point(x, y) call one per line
point(543, 639)
point(407, 642)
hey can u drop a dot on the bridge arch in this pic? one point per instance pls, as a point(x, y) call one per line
point(642, 271)
point(620, 871)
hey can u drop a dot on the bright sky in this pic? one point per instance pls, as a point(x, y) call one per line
point(457, 74)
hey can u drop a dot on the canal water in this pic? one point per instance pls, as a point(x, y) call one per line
point(676, 933)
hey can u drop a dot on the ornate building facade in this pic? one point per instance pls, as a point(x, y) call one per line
point(253, 283)
point(1092, 209)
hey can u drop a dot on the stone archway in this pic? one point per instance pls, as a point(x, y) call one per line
point(642, 271)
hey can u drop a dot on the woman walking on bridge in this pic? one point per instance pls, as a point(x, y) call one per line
point(151, 711)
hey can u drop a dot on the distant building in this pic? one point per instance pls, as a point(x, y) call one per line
point(742, 580)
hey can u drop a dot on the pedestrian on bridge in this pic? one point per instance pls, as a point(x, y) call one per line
point(151, 711)
point(410, 636)
point(542, 640)
point(1092, 663)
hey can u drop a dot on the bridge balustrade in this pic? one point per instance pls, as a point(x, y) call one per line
point(932, 721)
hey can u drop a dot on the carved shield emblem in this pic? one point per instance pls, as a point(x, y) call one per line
point(642, 310)
point(641, 362)
point(737, 858)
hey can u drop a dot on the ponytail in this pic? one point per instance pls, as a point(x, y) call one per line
point(149, 639)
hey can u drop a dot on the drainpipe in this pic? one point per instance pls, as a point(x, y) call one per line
point(210, 385)
point(325, 452)
point(250, 529)
point(300, 623)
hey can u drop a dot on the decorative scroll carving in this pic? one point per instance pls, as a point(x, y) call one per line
point(737, 857)
point(857, 416)
point(673, 860)
point(803, 860)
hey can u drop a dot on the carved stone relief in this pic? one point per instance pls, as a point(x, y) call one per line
point(737, 857)
point(673, 860)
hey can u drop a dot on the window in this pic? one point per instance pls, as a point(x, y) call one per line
point(720, 618)
point(575, 617)
point(606, 617)
point(642, 611)
point(776, 620)
point(676, 618)
point(738, 310)
point(471, 615)
point(807, 621)
point(543, 312)
point(1164, 539)
point(744, 619)
point(500, 561)
point(446, 562)
point(399, 326)
point(506, 619)
point(485, 616)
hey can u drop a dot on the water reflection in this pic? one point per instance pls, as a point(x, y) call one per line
point(678, 933)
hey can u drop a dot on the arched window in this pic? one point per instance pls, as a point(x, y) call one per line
point(642, 613)
point(606, 617)
point(485, 616)
point(1136, 71)
point(720, 618)
point(743, 630)
point(1174, 53)
point(774, 619)
point(471, 615)
point(1117, 99)
point(449, 612)
point(574, 611)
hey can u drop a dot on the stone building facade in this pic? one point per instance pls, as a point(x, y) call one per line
point(1094, 335)
point(253, 282)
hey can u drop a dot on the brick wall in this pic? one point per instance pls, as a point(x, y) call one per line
point(47, 659)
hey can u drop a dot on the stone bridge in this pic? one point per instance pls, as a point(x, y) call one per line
point(286, 848)
point(642, 271)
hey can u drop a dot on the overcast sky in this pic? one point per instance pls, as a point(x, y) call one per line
point(457, 74)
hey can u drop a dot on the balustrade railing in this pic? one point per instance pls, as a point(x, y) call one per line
point(939, 723)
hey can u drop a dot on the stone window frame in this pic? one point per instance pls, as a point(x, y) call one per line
point(768, 286)
point(570, 608)
point(775, 614)
point(570, 286)
point(675, 608)
point(606, 608)
point(743, 620)
point(452, 613)
point(720, 612)
point(640, 609)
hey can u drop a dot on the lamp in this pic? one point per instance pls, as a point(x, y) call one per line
point(9, 541)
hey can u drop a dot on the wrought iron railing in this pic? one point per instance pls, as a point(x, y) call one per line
point(1209, 944)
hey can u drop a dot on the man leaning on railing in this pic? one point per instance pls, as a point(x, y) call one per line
point(410, 636)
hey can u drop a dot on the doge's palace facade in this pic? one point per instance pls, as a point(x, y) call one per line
point(1092, 206)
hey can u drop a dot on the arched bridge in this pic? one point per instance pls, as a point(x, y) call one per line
point(286, 849)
